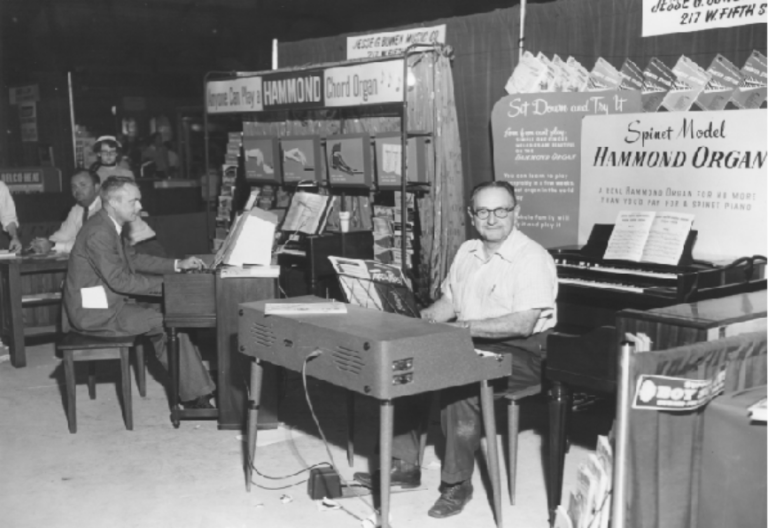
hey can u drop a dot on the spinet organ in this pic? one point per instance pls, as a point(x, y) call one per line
point(582, 352)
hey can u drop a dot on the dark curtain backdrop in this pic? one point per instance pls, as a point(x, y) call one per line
point(485, 48)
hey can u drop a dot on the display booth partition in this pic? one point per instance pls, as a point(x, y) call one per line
point(664, 449)
point(424, 106)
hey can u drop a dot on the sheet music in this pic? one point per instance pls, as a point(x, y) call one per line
point(252, 240)
point(375, 285)
point(305, 213)
point(358, 292)
point(629, 235)
point(667, 237)
point(649, 236)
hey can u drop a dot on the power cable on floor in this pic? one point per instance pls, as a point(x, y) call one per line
point(325, 441)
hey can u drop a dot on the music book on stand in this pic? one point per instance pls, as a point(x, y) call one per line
point(375, 285)
point(307, 213)
point(649, 236)
point(250, 240)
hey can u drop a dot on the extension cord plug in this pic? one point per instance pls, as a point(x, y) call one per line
point(324, 482)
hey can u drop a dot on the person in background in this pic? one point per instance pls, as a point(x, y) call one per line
point(502, 290)
point(107, 150)
point(113, 274)
point(85, 187)
point(157, 153)
point(173, 159)
point(8, 218)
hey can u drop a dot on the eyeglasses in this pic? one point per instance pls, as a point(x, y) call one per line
point(108, 152)
point(499, 212)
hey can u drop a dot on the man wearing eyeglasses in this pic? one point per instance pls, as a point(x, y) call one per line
point(502, 289)
point(107, 150)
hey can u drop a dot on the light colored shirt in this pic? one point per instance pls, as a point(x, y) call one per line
point(7, 207)
point(520, 276)
point(64, 238)
point(118, 227)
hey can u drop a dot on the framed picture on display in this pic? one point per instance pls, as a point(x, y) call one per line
point(262, 159)
point(388, 162)
point(301, 159)
point(349, 160)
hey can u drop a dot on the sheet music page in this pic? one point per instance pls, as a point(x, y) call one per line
point(253, 243)
point(667, 237)
point(305, 213)
point(356, 282)
point(394, 288)
point(629, 235)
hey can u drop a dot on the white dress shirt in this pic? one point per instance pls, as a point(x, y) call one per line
point(7, 207)
point(64, 238)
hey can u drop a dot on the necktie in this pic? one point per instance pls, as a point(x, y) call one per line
point(85, 216)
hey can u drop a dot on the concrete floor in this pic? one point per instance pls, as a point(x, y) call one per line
point(191, 477)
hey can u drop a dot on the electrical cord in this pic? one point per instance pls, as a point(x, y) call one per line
point(279, 477)
point(344, 482)
point(332, 462)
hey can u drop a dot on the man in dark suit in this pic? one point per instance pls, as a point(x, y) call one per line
point(103, 274)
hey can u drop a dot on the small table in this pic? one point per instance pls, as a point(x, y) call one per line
point(30, 282)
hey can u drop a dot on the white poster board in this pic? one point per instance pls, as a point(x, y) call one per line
point(361, 84)
point(392, 42)
point(711, 164)
point(662, 17)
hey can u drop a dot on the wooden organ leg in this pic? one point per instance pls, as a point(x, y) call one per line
point(559, 406)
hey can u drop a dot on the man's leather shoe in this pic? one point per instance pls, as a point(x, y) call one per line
point(402, 474)
point(452, 500)
point(201, 402)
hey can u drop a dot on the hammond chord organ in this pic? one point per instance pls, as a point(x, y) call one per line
point(380, 354)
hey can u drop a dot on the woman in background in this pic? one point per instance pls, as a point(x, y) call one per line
point(107, 150)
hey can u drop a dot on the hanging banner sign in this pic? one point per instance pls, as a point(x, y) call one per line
point(711, 164)
point(364, 84)
point(31, 179)
point(536, 147)
point(665, 393)
point(234, 95)
point(662, 17)
point(392, 42)
point(28, 121)
point(24, 94)
point(299, 89)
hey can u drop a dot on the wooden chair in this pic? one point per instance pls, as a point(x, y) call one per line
point(513, 427)
point(76, 347)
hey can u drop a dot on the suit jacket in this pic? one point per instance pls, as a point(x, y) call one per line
point(64, 238)
point(100, 257)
